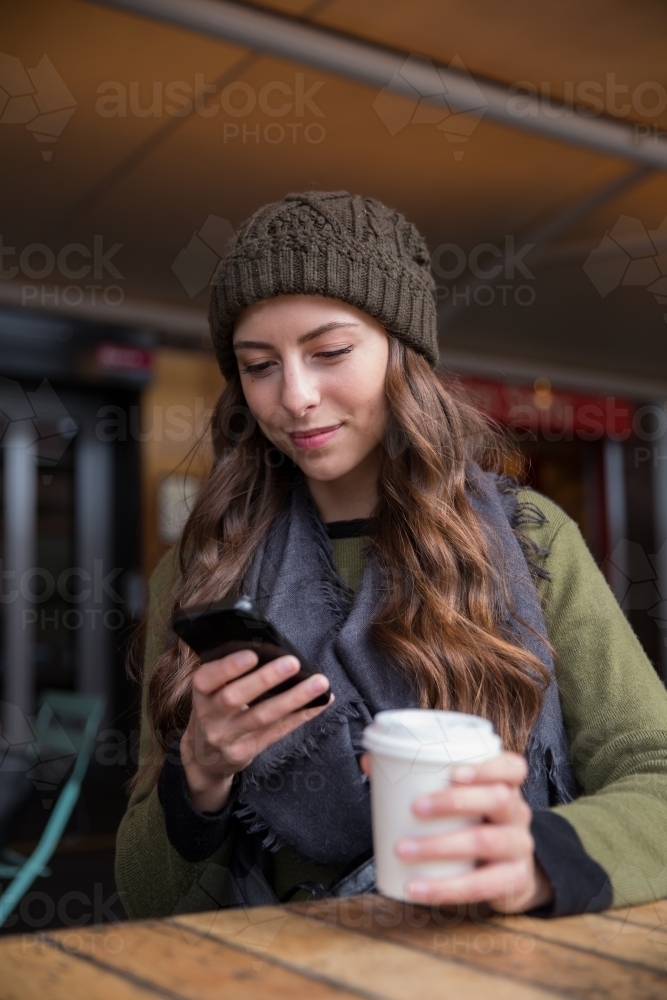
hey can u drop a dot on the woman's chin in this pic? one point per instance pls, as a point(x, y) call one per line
point(322, 468)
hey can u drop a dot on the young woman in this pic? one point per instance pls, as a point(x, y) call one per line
point(359, 503)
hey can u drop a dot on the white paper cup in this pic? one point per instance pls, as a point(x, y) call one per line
point(412, 752)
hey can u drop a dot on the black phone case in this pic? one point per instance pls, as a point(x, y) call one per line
point(217, 629)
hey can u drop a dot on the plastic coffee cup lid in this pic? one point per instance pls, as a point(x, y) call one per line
point(431, 736)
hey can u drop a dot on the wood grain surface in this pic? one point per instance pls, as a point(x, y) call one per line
point(364, 946)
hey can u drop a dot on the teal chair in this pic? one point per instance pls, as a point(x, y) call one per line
point(65, 731)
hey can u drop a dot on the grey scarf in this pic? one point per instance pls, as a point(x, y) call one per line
point(307, 790)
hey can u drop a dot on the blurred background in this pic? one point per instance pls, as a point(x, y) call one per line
point(527, 142)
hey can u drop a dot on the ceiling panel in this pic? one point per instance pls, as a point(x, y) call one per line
point(556, 43)
point(150, 181)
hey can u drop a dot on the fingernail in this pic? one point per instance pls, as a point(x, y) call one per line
point(408, 848)
point(424, 805)
point(417, 888)
point(318, 684)
point(288, 665)
point(463, 774)
point(247, 657)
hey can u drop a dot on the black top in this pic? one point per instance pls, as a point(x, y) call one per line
point(347, 529)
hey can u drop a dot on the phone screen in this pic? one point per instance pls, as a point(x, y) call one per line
point(215, 630)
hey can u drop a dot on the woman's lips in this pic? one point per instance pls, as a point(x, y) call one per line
point(315, 438)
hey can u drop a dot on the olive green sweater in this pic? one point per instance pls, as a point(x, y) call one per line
point(615, 713)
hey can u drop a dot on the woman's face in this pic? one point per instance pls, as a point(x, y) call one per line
point(313, 374)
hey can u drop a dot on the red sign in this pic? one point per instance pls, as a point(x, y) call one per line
point(123, 358)
point(551, 413)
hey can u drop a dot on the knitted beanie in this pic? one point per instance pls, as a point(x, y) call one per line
point(334, 244)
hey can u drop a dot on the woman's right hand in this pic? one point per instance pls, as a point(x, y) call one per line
point(224, 734)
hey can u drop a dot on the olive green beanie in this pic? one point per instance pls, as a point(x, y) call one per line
point(334, 244)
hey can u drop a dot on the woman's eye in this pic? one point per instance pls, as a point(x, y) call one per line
point(255, 368)
point(333, 354)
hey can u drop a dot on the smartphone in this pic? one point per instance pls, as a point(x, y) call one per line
point(227, 626)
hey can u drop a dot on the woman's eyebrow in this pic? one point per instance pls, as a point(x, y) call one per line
point(325, 328)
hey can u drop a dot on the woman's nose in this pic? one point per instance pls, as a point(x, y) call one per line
point(299, 390)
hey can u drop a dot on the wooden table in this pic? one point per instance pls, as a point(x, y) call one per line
point(363, 946)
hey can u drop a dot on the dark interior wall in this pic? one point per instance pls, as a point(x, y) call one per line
point(58, 355)
point(642, 592)
point(128, 554)
point(571, 474)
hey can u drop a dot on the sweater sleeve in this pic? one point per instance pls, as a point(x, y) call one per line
point(615, 713)
point(195, 835)
point(153, 878)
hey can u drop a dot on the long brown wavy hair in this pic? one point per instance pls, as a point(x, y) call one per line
point(441, 615)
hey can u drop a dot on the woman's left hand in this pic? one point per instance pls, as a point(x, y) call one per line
point(507, 876)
